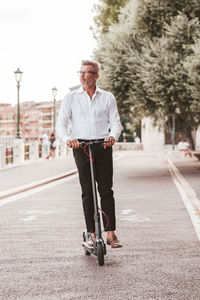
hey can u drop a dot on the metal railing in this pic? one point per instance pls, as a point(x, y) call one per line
point(26, 152)
point(40, 150)
point(9, 155)
point(6, 141)
point(14, 153)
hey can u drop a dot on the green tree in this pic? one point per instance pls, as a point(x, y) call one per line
point(145, 56)
point(107, 12)
point(192, 64)
point(164, 75)
point(153, 15)
point(114, 52)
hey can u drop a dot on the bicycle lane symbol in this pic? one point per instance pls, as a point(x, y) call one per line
point(129, 215)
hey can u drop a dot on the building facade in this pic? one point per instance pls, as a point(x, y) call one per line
point(35, 118)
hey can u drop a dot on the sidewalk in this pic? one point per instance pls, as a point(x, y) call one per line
point(27, 173)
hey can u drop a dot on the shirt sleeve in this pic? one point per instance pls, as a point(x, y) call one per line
point(114, 119)
point(63, 119)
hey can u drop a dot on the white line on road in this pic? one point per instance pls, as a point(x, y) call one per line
point(34, 184)
point(36, 190)
point(32, 214)
point(126, 211)
point(44, 184)
point(188, 196)
point(134, 218)
point(127, 215)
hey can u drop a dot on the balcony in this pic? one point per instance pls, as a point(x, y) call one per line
point(48, 113)
point(45, 121)
point(6, 129)
point(6, 121)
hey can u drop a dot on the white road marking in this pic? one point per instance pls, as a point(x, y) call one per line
point(34, 184)
point(134, 219)
point(35, 213)
point(117, 155)
point(30, 218)
point(36, 190)
point(188, 196)
point(127, 215)
point(126, 211)
point(27, 193)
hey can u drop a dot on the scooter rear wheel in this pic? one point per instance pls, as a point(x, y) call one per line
point(100, 254)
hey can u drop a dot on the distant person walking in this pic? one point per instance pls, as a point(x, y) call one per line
point(45, 146)
point(52, 145)
point(184, 146)
point(137, 140)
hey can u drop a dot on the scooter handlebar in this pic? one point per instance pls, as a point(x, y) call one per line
point(93, 142)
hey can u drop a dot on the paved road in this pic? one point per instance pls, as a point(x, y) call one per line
point(41, 255)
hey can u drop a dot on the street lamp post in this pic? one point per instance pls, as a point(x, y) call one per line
point(54, 91)
point(18, 77)
point(173, 131)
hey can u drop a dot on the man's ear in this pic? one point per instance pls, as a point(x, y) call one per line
point(97, 76)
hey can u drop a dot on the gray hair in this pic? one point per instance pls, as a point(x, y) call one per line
point(94, 64)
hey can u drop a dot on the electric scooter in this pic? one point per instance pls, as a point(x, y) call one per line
point(99, 247)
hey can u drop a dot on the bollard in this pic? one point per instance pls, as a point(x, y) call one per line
point(2, 156)
point(34, 150)
point(18, 151)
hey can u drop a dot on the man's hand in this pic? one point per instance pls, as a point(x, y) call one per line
point(112, 141)
point(73, 143)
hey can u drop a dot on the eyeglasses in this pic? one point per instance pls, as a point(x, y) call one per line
point(86, 72)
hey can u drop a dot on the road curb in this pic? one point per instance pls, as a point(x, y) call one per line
point(29, 186)
point(188, 195)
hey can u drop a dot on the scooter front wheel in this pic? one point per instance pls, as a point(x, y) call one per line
point(100, 253)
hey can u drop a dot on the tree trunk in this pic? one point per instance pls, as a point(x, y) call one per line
point(189, 136)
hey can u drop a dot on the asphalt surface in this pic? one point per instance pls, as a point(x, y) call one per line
point(33, 171)
point(189, 168)
point(41, 233)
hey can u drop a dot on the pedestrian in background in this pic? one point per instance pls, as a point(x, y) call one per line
point(184, 146)
point(45, 145)
point(52, 145)
point(94, 116)
point(137, 140)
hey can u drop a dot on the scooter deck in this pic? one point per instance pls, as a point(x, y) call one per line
point(85, 244)
point(93, 249)
point(90, 249)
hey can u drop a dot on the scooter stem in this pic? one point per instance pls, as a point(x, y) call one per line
point(94, 191)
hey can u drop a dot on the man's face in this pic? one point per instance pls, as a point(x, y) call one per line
point(88, 77)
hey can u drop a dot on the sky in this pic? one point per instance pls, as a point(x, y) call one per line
point(46, 40)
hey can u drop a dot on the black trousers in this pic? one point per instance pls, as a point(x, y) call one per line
point(103, 167)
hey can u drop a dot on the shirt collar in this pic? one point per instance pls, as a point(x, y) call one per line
point(98, 90)
point(81, 90)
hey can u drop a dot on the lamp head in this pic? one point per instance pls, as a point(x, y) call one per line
point(54, 91)
point(18, 75)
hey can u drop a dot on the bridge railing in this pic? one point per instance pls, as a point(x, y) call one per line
point(16, 151)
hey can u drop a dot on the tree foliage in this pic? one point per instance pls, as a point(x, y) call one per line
point(152, 15)
point(150, 60)
point(107, 12)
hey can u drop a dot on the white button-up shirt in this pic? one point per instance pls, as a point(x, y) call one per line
point(90, 119)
